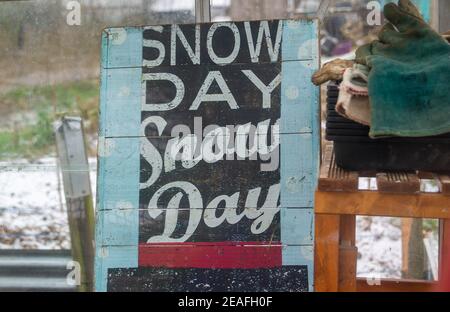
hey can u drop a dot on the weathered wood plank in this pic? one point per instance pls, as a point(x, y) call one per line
point(295, 115)
point(426, 175)
point(444, 184)
point(413, 252)
point(211, 255)
point(348, 256)
point(434, 206)
point(120, 113)
point(126, 170)
point(297, 228)
point(348, 253)
point(398, 182)
point(394, 285)
point(118, 179)
point(332, 178)
point(119, 166)
point(116, 229)
point(212, 43)
point(297, 170)
point(300, 40)
point(122, 46)
point(347, 230)
point(326, 257)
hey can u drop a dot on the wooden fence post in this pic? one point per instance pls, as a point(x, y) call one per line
point(413, 249)
point(77, 189)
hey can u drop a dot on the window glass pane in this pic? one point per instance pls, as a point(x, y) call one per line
point(350, 24)
point(238, 10)
point(343, 29)
point(398, 248)
point(50, 66)
point(347, 24)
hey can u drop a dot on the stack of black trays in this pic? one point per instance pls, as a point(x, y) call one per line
point(355, 150)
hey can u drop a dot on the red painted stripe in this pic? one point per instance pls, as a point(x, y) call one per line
point(220, 255)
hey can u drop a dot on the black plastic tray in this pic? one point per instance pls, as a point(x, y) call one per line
point(340, 119)
point(346, 125)
point(355, 150)
point(333, 113)
point(347, 132)
point(393, 155)
point(332, 93)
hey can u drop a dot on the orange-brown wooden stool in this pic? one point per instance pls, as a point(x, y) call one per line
point(339, 200)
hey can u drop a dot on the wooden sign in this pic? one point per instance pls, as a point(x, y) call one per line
point(208, 157)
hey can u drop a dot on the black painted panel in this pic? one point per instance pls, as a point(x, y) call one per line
point(282, 279)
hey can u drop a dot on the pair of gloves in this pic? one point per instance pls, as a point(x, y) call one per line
point(409, 79)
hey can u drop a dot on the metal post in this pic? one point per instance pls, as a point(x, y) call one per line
point(77, 189)
point(202, 11)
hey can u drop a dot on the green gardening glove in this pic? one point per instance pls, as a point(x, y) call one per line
point(409, 79)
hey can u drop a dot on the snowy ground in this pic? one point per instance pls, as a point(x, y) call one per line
point(379, 247)
point(33, 216)
point(32, 205)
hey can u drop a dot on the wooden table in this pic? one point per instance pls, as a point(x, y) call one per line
point(339, 199)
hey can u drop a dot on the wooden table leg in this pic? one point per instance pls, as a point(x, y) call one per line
point(444, 261)
point(413, 249)
point(348, 254)
point(326, 258)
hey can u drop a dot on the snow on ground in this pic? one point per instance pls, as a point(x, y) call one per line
point(32, 205)
point(33, 216)
point(379, 247)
